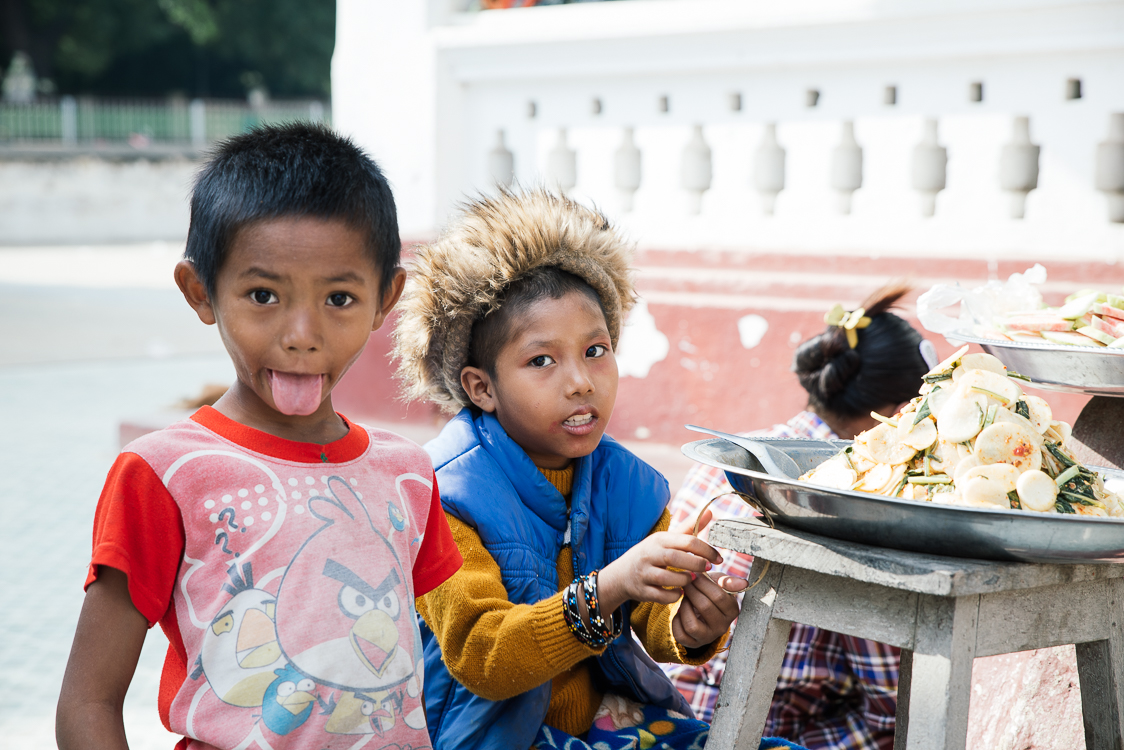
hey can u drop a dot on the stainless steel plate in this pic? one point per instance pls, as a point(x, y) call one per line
point(1074, 369)
point(906, 524)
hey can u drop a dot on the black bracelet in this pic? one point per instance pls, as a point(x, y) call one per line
point(605, 631)
point(600, 634)
point(572, 614)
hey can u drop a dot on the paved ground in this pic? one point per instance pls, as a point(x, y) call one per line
point(60, 439)
point(91, 337)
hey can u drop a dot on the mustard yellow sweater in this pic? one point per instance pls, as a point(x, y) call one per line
point(498, 649)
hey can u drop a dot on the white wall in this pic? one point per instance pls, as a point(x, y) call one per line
point(426, 90)
point(383, 78)
point(89, 200)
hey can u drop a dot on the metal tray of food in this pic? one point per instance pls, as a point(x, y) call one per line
point(914, 526)
point(1091, 370)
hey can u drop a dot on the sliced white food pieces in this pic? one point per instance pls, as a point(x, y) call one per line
point(965, 465)
point(861, 462)
point(1062, 431)
point(896, 478)
point(1004, 475)
point(902, 453)
point(943, 457)
point(882, 445)
point(877, 478)
point(918, 436)
point(963, 450)
point(1037, 491)
point(983, 361)
point(956, 355)
point(1006, 415)
point(834, 473)
point(961, 418)
point(937, 398)
point(1040, 413)
point(1000, 388)
point(1009, 443)
point(984, 492)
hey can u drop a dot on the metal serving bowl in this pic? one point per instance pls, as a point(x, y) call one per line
point(1092, 370)
point(910, 525)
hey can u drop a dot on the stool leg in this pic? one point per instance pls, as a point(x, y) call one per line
point(754, 661)
point(935, 683)
point(1100, 667)
point(905, 679)
point(1100, 700)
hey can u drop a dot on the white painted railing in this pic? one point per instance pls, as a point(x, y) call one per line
point(944, 127)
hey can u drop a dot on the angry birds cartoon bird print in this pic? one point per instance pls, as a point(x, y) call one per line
point(361, 713)
point(343, 615)
point(397, 520)
point(288, 701)
point(240, 650)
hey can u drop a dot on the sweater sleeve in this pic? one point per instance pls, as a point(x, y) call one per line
point(652, 624)
point(495, 648)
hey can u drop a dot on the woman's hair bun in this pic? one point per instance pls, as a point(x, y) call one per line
point(884, 368)
point(825, 364)
point(838, 372)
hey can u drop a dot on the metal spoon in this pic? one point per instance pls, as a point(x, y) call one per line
point(771, 459)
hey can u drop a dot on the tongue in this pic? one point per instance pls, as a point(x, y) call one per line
point(295, 394)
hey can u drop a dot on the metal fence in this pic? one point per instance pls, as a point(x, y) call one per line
point(72, 121)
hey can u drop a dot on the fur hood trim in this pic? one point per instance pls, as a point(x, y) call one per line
point(462, 277)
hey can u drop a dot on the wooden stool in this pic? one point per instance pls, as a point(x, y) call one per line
point(942, 612)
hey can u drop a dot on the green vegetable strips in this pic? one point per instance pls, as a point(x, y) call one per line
point(924, 410)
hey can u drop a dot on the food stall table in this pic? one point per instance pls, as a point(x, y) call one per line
point(941, 611)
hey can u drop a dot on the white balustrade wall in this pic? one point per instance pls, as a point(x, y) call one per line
point(986, 128)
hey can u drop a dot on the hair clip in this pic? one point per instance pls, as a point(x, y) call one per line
point(850, 322)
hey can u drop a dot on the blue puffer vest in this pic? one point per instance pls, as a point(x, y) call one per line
point(488, 482)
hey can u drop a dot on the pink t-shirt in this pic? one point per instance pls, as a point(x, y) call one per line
point(284, 574)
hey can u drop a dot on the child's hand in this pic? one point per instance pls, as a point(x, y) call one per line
point(706, 610)
point(642, 574)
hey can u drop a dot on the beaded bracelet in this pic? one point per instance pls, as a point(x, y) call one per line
point(573, 616)
point(606, 631)
point(600, 634)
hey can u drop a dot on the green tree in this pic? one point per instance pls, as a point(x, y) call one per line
point(196, 47)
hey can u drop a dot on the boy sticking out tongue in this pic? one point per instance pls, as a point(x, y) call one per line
point(279, 545)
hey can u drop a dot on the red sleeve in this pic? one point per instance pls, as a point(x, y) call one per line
point(138, 530)
point(438, 557)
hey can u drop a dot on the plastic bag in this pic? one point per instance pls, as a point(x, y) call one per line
point(981, 305)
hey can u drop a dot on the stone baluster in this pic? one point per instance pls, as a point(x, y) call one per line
point(68, 114)
point(930, 164)
point(501, 162)
point(562, 165)
point(1109, 169)
point(626, 174)
point(197, 114)
point(768, 169)
point(695, 170)
point(1018, 166)
point(846, 167)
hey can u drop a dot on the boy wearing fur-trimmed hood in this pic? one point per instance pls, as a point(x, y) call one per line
point(511, 320)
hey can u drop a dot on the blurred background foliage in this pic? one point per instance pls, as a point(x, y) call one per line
point(194, 48)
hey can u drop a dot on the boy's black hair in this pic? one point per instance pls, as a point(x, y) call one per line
point(298, 170)
point(491, 332)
